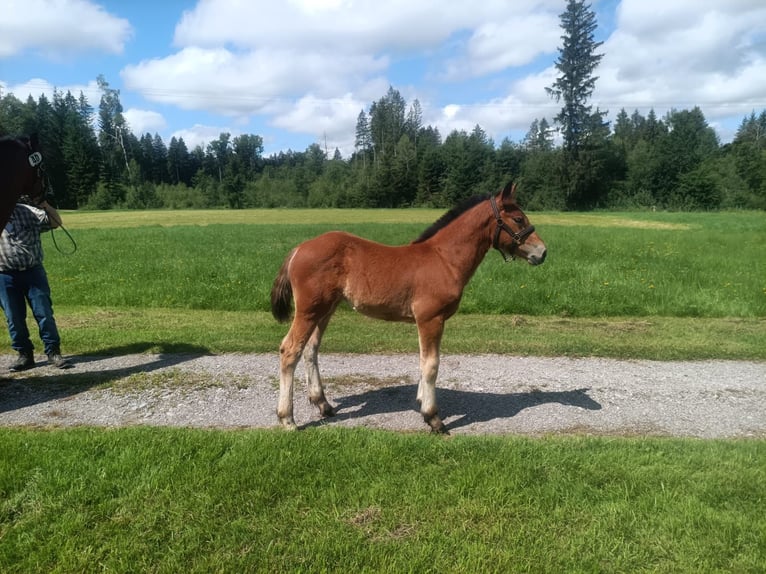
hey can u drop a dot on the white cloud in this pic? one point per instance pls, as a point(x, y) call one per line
point(235, 84)
point(309, 65)
point(497, 46)
point(332, 121)
point(57, 27)
point(37, 87)
point(362, 25)
point(683, 54)
point(144, 121)
point(201, 135)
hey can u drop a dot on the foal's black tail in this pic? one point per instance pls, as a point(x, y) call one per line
point(282, 293)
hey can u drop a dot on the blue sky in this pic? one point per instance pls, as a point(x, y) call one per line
point(297, 72)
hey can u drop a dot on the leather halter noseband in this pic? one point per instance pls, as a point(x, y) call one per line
point(518, 238)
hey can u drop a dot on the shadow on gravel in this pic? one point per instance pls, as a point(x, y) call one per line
point(470, 407)
point(45, 383)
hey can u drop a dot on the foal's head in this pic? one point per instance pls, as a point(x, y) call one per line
point(514, 235)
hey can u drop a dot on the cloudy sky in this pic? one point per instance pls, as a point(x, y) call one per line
point(299, 71)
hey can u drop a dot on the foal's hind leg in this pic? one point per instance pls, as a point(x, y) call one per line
point(430, 335)
point(289, 355)
point(313, 379)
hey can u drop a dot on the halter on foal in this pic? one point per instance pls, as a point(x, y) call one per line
point(421, 282)
point(20, 173)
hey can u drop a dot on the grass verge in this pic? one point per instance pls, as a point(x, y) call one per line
point(89, 330)
point(326, 500)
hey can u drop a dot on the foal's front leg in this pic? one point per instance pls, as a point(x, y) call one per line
point(429, 335)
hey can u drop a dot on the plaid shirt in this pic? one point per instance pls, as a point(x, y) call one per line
point(20, 245)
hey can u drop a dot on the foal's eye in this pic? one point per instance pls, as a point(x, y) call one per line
point(518, 220)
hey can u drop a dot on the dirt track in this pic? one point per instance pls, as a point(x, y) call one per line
point(476, 394)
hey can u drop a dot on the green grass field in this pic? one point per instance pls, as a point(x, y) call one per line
point(686, 266)
point(332, 500)
point(654, 285)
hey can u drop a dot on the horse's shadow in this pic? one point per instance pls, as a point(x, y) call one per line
point(468, 406)
point(44, 384)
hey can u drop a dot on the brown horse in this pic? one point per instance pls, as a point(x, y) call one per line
point(20, 173)
point(421, 282)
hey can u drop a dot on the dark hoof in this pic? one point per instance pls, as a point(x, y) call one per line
point(326, 410)
point(436, 424)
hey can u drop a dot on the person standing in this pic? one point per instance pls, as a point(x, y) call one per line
point(23, 281)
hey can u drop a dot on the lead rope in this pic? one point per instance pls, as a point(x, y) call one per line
point(69, 235)
point(50, 197)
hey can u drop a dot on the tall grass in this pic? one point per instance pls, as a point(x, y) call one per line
point(332, 500)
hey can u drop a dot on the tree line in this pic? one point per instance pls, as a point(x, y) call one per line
point(94, 161)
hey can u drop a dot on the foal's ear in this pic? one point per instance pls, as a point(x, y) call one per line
point(509, 193)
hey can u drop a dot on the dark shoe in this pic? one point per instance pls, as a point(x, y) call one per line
point(57, 360)
point(25, 360)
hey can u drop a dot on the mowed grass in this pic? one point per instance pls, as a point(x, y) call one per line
point(332, 500)
point(653, 285)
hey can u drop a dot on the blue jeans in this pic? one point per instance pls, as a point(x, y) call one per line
point(17, 288)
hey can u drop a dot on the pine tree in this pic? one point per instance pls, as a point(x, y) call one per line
point(576, 63)
point(583, 174)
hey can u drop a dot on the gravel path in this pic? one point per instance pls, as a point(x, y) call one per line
point(477, 394)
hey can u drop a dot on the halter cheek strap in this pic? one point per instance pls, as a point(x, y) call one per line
point(518, 238)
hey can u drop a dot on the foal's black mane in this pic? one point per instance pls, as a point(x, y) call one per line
point(451, 216)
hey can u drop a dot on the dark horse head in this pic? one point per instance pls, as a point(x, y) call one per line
point(20, 172)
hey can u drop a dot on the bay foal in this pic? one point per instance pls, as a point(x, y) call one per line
point(421, 282)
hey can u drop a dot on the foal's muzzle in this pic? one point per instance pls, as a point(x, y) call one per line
point(537, 259)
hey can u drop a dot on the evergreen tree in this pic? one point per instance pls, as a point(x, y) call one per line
point(179, 162)
point(539, 137)
point(689, 142)
point(363, 141)
point(430, 167)
point(249, 149)
point(144, 154)
point(387, 123)
point(414, 121)
point(404, 173)
point(624, 133)
point(160, 172)
point(749, 151)
point(80, 154)
point(219, 152)
point(508, 159)
point(581, 127)
point(14, 115)
point(576, 63)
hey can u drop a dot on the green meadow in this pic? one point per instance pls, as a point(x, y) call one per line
point(651, 286)
point(356, 500)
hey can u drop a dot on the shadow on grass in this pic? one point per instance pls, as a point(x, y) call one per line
point(44, 383)
point(471, 407)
